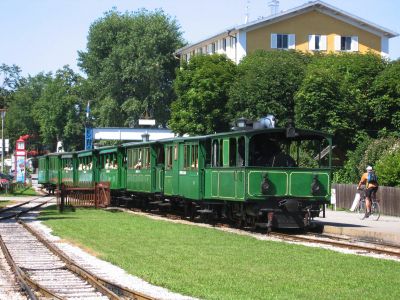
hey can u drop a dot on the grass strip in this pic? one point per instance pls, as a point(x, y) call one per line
point(211, 264)
point(26, 191)
point(4, 203)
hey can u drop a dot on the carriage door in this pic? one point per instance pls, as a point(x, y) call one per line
point(159, 169)
point(240, 161)
point(171, 171)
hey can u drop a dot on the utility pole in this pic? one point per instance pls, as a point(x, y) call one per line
point(3, 115)
point(88, 129)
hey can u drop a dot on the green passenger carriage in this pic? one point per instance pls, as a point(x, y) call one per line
point(111, 166)
point(86, 163)
point(266, 177)
point(43, 174)
point(54, 168)
point(68, 167)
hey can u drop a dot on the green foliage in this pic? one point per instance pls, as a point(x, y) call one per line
point(388, 167)
point(368, 152)
point(10, 80)
point(131, 66)
point(266, 83)
point(376, 148)
point(334, 96)
point(385, 98)
point(59, 110)
point(230, 266)
point(19, 118)
point(202, 88)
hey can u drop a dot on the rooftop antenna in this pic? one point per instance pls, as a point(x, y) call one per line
point(247, 17)
point(274, 5)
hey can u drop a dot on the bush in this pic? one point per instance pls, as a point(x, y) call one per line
point(368, 152)
point(388, 167)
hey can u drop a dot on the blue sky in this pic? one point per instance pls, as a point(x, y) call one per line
point(44, 35)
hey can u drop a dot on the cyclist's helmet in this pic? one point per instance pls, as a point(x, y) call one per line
point(369, 168)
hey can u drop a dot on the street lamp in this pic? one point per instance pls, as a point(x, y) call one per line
point(3, 115)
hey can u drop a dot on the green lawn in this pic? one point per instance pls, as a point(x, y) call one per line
point(211, 264)
point(24, 191)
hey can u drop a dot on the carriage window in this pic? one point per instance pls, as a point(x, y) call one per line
point(130, 156)
point(217, 150)
point(67, 164)
point(146, 158)
point(109, 161)
point(208, 151)
point(271, 150)
point(186, 156)
point(195, 156)
point(241, 152)
point(232, 152)
point(221, 152)
point(135, 158)
point(85, 163)
point(160, 155)
point(175, 152)
point(168, 162)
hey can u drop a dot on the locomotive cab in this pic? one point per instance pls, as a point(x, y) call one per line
point(277, 177)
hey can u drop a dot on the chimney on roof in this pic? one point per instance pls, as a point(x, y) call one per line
point(274, 6)
point(246, 19)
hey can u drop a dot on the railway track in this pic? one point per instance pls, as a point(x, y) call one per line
point(43, 271)
point(362, 247)
point(358, 246)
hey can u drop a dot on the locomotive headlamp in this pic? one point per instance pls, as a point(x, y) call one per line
point(315, 185)
point(241, 122)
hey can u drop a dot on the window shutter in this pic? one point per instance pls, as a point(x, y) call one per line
point(354, 43)
point(274, 41)
point(337, 42)
point(323, 43)
point(292, 41)
point(311, 42)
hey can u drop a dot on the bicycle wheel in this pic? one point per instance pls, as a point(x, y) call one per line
point(361, 209)
point(375, 211)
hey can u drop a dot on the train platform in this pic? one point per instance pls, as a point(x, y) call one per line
point(385, 230)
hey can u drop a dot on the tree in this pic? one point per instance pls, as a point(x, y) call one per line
point(388, 167)
point(60, 112)
point(369, 152)
point(202, 88)
point(11, 79)
point(266, 83)
point(385, 98)
point(130, 65)
point(19, 117)
point(334, 96)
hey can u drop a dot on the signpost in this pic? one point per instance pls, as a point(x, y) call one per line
point(20, 160)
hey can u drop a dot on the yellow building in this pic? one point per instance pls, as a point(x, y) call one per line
point(314, 26)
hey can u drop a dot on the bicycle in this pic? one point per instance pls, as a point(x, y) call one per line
point(375, 208)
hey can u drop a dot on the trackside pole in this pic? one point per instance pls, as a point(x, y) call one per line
point(62, 202)
point(333, 198)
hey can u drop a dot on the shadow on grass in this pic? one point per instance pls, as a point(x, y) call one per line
point(56, 218)
point(113, 210)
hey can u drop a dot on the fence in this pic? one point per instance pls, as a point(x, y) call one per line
point(389, 198)
point(98, 196)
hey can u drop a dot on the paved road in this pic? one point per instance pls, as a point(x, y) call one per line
point(386, 229)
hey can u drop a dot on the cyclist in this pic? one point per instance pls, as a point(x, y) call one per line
point(371, 184)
